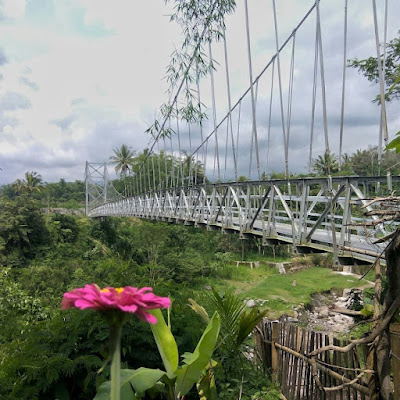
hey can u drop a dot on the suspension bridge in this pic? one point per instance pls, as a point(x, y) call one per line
point(216, 172)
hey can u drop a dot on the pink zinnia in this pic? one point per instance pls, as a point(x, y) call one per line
point(128, 299)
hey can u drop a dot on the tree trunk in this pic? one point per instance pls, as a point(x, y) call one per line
point(383, 366)
point(392, 255)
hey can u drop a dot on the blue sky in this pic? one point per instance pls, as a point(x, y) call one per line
point(79, 78)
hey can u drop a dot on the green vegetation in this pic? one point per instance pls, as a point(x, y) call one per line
point(282, 296)
point(369, 68)
point(361, 163)
point(47, 353)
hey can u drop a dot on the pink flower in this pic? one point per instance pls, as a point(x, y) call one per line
point(128, 299)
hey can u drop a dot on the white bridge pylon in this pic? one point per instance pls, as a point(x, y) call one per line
point(312, 214)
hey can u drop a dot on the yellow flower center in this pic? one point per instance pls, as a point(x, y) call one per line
point(119, 290)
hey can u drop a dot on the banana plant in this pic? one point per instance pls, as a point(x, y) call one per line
point(176, 380)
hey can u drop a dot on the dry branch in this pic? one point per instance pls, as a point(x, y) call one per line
point(328, 371)
point(346, 311)
point(351, 383)
point(382, 200)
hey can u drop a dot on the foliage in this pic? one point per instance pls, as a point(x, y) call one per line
point(369, 68)
point(178, 380)
point(233, 355)
point(282, 296)
point(47, 354)
point(201, 22)
point(160, 171)
point(326, 164)
point(51, 195)
point(22, 230)
point(395, 143)
point(31, 183)
point(362, 162)
point(124, 159)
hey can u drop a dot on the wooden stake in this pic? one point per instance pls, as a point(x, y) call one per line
point(274, 351)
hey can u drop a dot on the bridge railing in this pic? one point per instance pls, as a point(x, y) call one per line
point(312, 214)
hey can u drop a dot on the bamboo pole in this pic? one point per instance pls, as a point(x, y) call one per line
point(333, 374)
point(274, 352)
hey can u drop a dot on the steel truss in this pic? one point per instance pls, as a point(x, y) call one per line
point(312, 214)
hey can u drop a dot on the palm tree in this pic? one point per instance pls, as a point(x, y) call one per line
point(326, 164)
point(347, 163)
point(124, 159)
point(31, 183)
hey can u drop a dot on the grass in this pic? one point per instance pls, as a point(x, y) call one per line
point(265, 283)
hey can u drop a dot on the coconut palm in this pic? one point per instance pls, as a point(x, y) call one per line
point(124, 159)
point(32, 183)
point(326, 164)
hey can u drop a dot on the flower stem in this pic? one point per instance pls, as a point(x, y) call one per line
point(115, 348)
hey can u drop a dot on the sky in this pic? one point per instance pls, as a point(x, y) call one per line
point(79, 78)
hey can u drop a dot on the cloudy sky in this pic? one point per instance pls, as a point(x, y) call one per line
point(79, 78)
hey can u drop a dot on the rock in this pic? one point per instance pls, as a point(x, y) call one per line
point(250, 303)
point(324, 312)
point(294, 283)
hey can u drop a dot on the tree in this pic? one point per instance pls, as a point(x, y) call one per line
point(124, 159)
point(32, 183)
point(326, 164)
point(369, 68)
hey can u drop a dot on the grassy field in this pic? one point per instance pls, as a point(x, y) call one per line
point(281, 296)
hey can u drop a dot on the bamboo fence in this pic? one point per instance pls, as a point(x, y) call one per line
point(284, 349)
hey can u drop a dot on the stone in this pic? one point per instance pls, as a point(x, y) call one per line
point(250, 303)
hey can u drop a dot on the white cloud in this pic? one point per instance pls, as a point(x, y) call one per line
point(12, 8)
point(95, 83)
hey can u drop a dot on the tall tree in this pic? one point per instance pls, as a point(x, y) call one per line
point(124, 159)
point(369, 68)
point(326, 164)
point(32, 183)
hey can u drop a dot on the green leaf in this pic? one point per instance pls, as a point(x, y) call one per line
point(145, 378)
point(141, 379)
point(166, 343)
point(247, 323)
point(368, 310)
point(206, 387)
point(395, 83)
point(191, 373)
point(127, 393)
point(395, 143)
point(199, 310)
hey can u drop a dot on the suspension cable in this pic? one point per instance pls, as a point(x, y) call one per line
point(290, 95)
point(383, 78)
point(343, 84)
point(270, 114)
point(199, 105)
point(322, 73)
point(253, 106)
point(381, 82)
point(179, 149)
point(285, 144)
point(238, 130)
point(165, 163)
point(172, 180)
point(228, 87)
point(314, 96)
point(216, 159)
point(159, 166)
point(272, 59)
